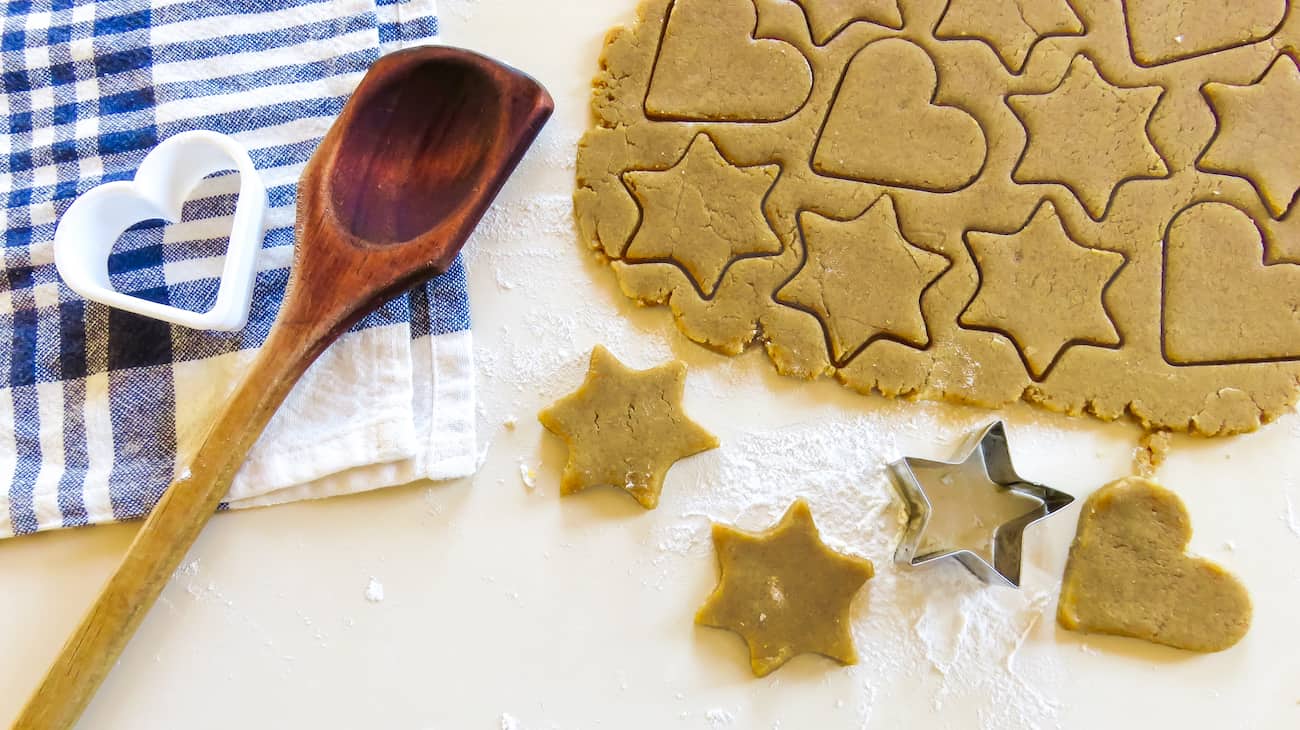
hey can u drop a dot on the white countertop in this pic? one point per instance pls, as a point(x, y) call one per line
point(509, 607)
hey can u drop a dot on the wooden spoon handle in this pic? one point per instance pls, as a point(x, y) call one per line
point(167, 535)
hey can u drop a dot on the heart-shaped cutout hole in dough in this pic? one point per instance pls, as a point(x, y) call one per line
point(1161, 31)
point(884, 127)
point(1222, 302)
point(710, 67)
point(1128, 574)
point(88, 231)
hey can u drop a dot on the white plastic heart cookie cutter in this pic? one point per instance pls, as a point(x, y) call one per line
point(85, 235)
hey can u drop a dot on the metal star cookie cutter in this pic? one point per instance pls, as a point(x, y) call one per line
point(986, 464)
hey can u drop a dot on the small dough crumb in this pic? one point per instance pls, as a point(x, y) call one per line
point(1152, 450)
point(1128, 574)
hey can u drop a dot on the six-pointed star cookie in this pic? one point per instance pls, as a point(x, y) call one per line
point(863, 279)
point(784, 591)
point(1041, 289)
point(1088, 135)
point(826, 18)
point(1259, 133)
point(625, 428)
point(1009, 27)
point(703, 213)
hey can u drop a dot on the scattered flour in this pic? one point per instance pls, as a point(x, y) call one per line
point(718, 717)
point(510, 722)
point(374, 591)
point(1292, 515)
point(527, 475)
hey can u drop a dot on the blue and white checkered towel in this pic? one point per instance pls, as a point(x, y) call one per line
point(100, 407)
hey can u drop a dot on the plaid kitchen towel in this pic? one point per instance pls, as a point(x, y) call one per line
point(101, 407)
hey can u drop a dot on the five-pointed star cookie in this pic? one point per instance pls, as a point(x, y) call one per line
point(826, 18)
point(863, 279)
point(784, 591)
point(1088, 135)
point(625, 428)
point(1041, 289)
point(1009, 27)
point(702, 213)
point(1259, 133)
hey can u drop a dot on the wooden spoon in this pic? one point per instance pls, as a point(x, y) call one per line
point(396, 187)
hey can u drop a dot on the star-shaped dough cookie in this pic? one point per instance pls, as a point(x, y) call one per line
point(1010, 27)
point(863, 279)
point(1088, 135)
point(826, 18)
point(784, 591)
point(702, 213)
point(1042, 289)
point(1259, 133)
point(625, 428)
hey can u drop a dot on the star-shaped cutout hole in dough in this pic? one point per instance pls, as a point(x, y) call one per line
point(1041, 289)
point(1088, 135)
point(1010, 27)
point(863, 280)
point(826, 18)
point(703, 213)
point(1259, 133)
point(625, 428)
point(784, 591)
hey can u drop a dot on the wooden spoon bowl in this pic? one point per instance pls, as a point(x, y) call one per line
point(386, 202)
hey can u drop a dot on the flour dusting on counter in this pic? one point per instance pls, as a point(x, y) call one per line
point(374, 591)
point(1292, 516)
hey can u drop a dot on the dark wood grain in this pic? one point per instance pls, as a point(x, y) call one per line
point(389, 198)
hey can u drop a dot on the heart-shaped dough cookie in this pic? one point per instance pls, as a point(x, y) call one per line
point(1197, 26)
point(1222, 303)
point(1128, 575)
point(710, 67)
point(885, 127)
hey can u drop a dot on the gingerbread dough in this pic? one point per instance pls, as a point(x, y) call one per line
point(1127, 574)
point(625, 428)
point(784, 591)
point(1085, 204)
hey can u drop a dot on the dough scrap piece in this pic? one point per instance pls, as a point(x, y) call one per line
point(884, 126)
point(826, 18)
point(784, 592)
point(1117, 165)
point(1010, 27)
point(710, 66)
point(1223, 302)
point(702, 213)
point(1162, 31)
point(1259, 133)
point(1127, 574)
point(1042, 289)
point(1088, 135)
point(625, 428)
point(863, 279)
